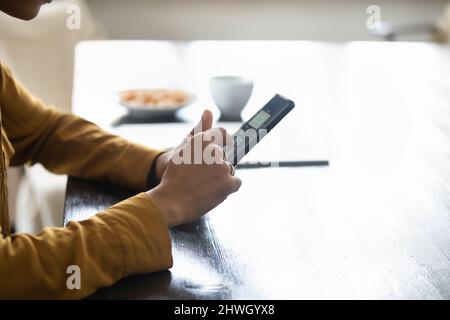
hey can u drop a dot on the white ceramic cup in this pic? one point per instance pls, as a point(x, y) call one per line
point(231, 94)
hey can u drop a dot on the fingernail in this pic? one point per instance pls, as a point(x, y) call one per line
point(204, 115)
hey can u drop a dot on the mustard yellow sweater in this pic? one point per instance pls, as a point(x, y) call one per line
point(128, 238)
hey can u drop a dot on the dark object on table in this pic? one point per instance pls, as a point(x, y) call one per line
point(390, 32)
point(282, 164)
point(127, 119)
point(224, 118)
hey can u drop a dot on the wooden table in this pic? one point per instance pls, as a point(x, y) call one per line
point(374, 224)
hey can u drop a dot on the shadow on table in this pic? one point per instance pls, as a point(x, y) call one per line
point(127, 119)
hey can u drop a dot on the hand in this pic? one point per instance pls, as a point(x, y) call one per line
point(188, 190)
point(163, 160)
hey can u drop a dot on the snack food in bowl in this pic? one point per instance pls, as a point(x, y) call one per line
point(154, 102)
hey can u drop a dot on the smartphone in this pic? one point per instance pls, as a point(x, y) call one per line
point(252, 131)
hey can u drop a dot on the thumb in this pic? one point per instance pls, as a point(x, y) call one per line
point(204, 124)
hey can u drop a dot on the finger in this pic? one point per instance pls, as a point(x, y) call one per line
point(228, 168)
point(204, 124)
point(219, 136)
point(207, 120)
point(203, 150)
point(234, 184)
point(211, 137)
point(213, 154)
point(232, 169)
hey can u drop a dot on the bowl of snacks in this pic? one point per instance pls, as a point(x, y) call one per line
point(154, 103)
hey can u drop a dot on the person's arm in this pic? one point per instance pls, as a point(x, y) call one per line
point(65, 143)
point(130, 237)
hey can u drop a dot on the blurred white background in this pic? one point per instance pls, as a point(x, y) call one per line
point(338, 20)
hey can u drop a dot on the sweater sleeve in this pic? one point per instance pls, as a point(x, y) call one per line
point(65, 143)
point(128, 238)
